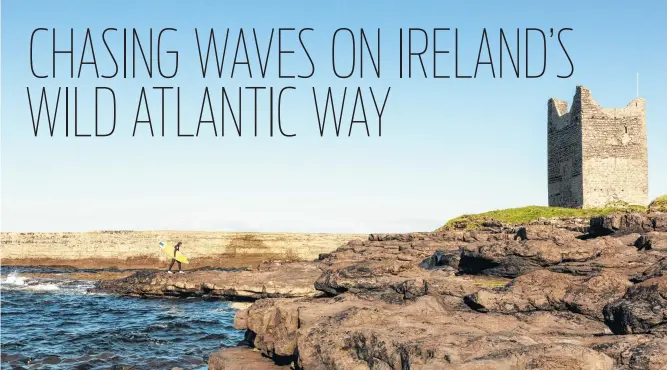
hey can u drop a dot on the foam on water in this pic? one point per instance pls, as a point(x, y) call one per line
point(14, 281)
point(13, 278)
point(56, 323)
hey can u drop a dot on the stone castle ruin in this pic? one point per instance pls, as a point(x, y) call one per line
point(597, 156)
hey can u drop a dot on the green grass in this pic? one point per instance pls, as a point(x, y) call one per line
point(516, 216)
point(659, 204)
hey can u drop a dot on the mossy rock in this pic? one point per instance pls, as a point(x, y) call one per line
point(659, 204)
point(524, 215)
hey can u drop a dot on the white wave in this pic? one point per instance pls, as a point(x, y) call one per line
point(13, 278)
point(43, 287)
point(14, 281)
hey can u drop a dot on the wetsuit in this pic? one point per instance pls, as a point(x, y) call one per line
point(176, 248)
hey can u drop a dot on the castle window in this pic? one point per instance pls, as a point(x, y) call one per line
point(626, 129)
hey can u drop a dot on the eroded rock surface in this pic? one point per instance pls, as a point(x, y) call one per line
point(539, 296)
point(643, 309)
point(240, 359)
point(270, 280)
point(346, 332)
point(543, 290)
point(547, 295)
point(622, 223)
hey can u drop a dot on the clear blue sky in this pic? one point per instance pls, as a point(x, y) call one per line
point(448, 146)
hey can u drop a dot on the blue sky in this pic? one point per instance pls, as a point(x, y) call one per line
point(448, 146)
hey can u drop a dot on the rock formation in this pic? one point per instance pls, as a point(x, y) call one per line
point(273, 279)
point(534, 297)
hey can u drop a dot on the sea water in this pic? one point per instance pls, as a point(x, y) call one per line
point(58, 324)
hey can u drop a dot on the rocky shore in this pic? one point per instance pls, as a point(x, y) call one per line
point(545, 295)
point(276, 279)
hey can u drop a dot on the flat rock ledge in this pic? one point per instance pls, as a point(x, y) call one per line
point(544, 296)
point(271, 280)
point(241, 358)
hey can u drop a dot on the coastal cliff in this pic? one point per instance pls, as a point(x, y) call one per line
point(139, 249)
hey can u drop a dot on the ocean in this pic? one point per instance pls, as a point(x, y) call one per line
point(58, 324)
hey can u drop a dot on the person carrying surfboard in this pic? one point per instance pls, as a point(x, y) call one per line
point(177, 247)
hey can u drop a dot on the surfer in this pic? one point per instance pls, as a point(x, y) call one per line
point(177, 247)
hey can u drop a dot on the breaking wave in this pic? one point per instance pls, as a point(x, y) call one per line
point(14, 281)
point(49, 320)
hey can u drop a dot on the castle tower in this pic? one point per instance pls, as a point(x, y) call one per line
point(597, 156)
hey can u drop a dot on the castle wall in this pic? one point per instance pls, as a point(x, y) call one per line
point(614, 153)
point(564, 155)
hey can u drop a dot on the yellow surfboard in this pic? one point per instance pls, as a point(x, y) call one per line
point(169, 251)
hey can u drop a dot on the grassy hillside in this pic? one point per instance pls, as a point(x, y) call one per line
point(659, 204)
point(515, 216)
